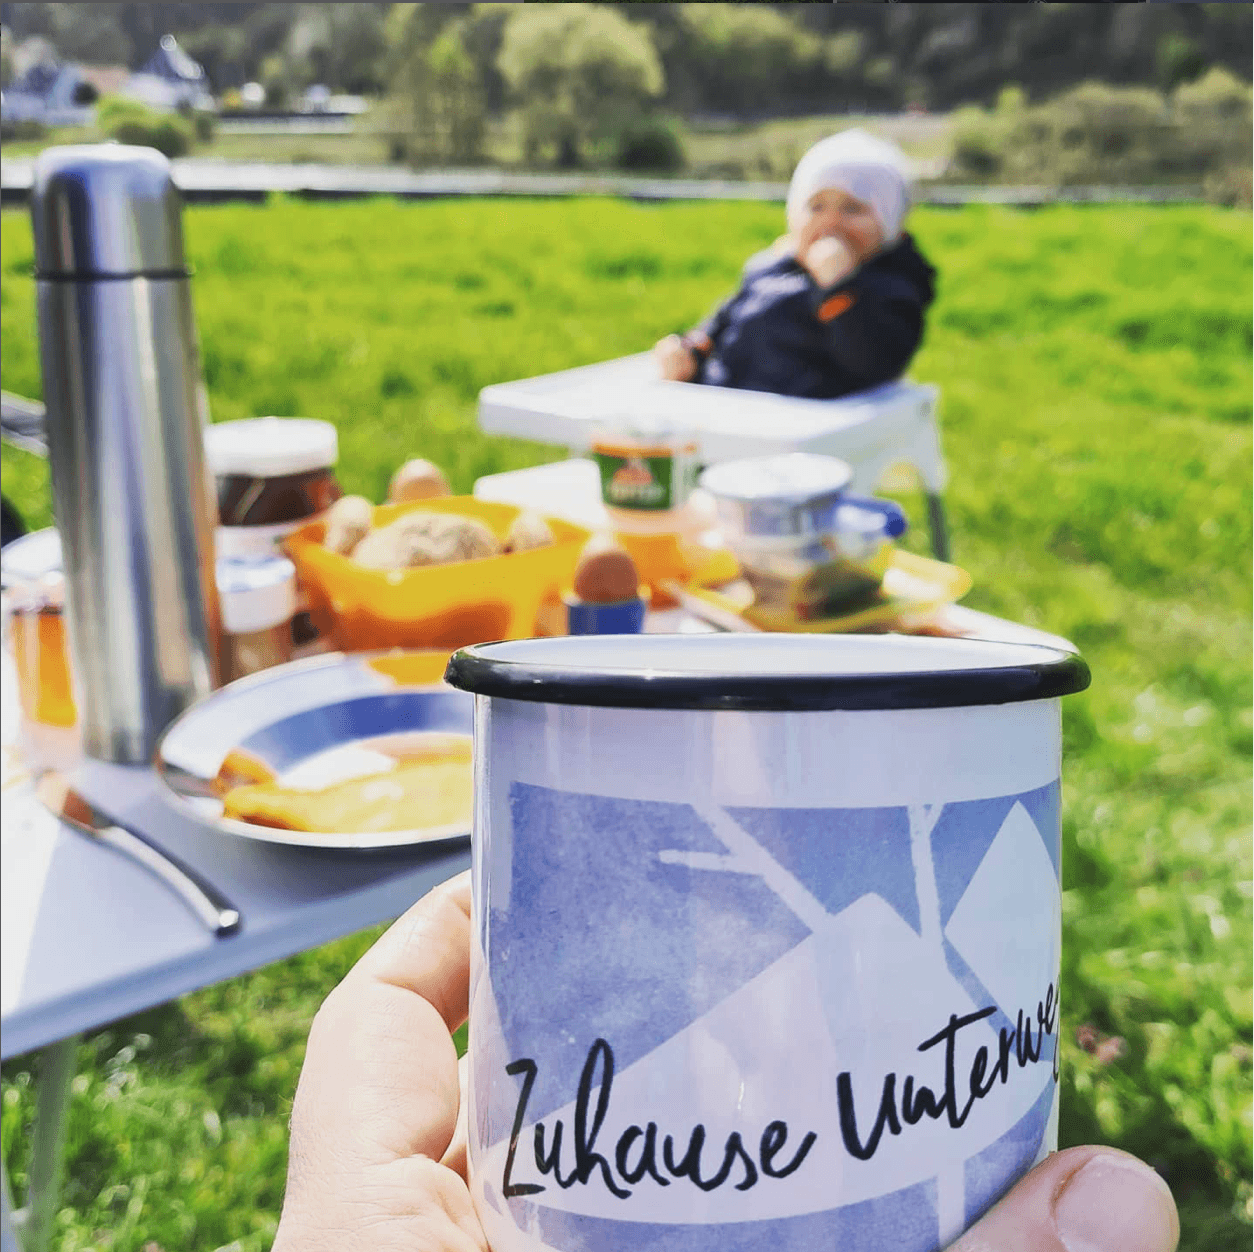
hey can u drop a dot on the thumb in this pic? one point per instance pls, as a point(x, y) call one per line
point(1081, 1200)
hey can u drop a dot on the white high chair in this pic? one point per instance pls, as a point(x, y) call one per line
point(878, 432)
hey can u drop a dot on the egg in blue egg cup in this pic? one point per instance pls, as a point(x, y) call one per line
point(620, 617)
point(605, 597)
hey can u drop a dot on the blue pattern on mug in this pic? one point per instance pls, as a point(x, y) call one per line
point(706, 1022)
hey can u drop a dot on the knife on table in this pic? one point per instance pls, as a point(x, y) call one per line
point(63, 801)
point(723, 619)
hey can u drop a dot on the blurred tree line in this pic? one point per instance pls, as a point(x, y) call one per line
point(614, 78)
point(1201, 132)
point(737, 59)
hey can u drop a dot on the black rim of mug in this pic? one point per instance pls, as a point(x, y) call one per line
point(1052, 674)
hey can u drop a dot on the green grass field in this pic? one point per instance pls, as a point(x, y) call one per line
point(1095, 367)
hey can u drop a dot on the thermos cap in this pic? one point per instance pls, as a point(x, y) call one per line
point(106, 210)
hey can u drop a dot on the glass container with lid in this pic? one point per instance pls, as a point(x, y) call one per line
point(804, 542)
point(48, 732)
point(258, 598)
point(273, 475)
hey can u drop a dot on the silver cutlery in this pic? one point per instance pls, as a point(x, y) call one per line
point(63, 801)
point(713, 614)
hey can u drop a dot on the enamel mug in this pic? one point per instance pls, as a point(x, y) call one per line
point(766, 938)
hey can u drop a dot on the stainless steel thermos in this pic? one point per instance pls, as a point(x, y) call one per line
point(133, 499)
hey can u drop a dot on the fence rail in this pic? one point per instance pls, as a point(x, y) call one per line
point(202, 179)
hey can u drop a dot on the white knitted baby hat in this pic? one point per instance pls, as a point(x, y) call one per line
point(871, 169)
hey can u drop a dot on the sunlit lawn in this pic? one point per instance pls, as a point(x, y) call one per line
point(1095, 372)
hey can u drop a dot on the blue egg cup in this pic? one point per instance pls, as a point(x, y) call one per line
point(622, 617)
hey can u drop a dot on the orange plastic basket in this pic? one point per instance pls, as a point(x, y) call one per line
point(435, 606)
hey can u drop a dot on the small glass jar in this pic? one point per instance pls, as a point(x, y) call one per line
point(34, 601)
point(47, 730)
point(37, 641)
point(273, 475)
point(257, 595)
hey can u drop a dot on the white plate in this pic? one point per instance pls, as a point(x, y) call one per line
point(313, 723)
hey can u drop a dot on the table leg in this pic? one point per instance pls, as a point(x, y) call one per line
point(8, 1219)
point(47, 1147)
point(937, 527)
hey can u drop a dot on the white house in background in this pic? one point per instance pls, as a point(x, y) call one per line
point(61, 93)
point(315, 99)
point(51, 93)
point(170, 79)
point(320, 99)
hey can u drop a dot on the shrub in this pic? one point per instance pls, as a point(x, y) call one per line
point(1103, 134)
point(18, 132)
point(128, 121)
point(205, 125)
point(649, 143)
point(741, 53)
point(575, 70)
point(1218, 95)
point(1011, 100)
point(1232, 186)
point(1215, 134)
point(112, 110)
point(729, 169)
point(1177, 59)
point(978, 144)
point(436, 113)
point(171, 136)
point(1096, 133)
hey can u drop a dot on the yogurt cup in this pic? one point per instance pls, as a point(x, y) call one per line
point(766, 937)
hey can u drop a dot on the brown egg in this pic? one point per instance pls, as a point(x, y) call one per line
point(606, 573)
point(417, 480)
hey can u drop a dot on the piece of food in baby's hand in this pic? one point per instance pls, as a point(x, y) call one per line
point(426, 539)
point(417, 480)
point(348, 522)
point(528, 530)
point(606, 574)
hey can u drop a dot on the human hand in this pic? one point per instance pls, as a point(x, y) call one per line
point(675, 360)
point(377, 1157)
point(829, 260)
point(378, 1137)
point(1080, 1200)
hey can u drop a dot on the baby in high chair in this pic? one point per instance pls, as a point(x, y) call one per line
point(837, 304)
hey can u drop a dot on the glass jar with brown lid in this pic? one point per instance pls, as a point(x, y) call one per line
point(273, 475)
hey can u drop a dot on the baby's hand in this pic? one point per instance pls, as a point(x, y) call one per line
point(675, 360)
point(828, 261)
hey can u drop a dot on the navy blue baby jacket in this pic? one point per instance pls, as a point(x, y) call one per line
point(781, 332)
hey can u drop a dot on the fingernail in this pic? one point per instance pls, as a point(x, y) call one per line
point(1115, 1204)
